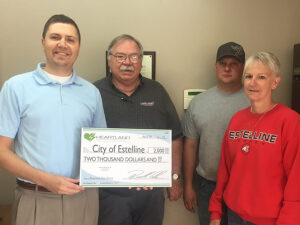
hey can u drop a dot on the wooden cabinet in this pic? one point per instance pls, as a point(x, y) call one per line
point(296, 79)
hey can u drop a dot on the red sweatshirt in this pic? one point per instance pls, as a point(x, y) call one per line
point(259, 171)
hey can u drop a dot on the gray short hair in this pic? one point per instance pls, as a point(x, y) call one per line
point(121, 38)
point(267, 58)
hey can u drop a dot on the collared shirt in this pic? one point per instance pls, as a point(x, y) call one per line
point(45, 119)
point(148, 107)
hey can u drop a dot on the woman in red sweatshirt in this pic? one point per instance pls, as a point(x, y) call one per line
point(259, 171)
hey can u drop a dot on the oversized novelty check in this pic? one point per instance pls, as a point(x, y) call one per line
point(125, 157)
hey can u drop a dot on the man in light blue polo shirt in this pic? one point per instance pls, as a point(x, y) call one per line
point(42, 113)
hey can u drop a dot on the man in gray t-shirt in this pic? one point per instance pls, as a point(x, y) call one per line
point(204, 126)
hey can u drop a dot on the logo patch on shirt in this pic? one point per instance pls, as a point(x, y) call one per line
point(145, 103)
point(246, 149)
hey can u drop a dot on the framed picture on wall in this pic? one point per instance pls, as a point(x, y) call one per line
point(148, 68)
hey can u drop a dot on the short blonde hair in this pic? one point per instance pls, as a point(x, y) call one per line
point(267, 58)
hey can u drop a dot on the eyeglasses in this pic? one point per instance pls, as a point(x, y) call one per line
point(232, 65)
point(134, 58)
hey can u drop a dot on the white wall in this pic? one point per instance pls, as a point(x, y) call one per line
point(185, 35)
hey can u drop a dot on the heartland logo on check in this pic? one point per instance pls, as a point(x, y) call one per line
point(90, 136)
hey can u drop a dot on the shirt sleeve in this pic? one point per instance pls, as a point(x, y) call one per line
point(99, 120)
point(172, 116)
point(189, 128)
point(290, 211)
point(10, 111)
point(216, 200)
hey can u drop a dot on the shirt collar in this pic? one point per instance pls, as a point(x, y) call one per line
point(43, 79)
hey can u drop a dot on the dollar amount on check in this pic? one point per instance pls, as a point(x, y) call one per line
point(125, 158)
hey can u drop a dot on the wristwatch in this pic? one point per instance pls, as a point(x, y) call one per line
point(176, 176)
